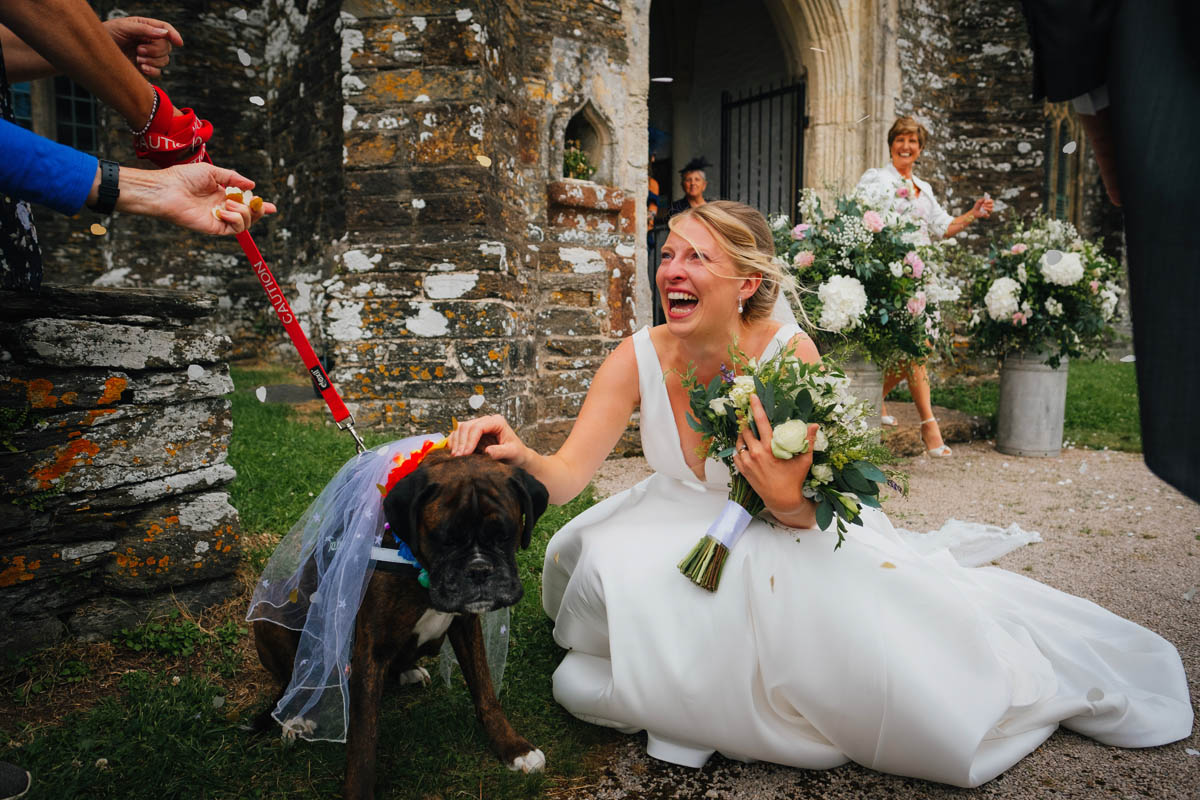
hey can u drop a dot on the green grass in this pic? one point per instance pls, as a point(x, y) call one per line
point(1102, 405)
point(165, 739)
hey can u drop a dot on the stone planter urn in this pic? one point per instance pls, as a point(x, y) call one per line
point(866, 381)
point(1033, 400)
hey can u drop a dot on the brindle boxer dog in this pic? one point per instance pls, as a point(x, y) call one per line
point(463, 517)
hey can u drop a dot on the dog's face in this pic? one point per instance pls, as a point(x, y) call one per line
point(464, 518)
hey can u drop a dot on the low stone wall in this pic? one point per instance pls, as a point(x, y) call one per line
point(114, 431)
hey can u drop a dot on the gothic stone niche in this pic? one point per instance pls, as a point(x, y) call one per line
point(587, 130)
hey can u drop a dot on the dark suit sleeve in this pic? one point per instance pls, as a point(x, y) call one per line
point(1070, 40)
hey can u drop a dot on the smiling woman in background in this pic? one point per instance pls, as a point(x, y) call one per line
point(895, 187)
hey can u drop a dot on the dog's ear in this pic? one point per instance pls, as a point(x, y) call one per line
point(533, 496)
point(403, 504)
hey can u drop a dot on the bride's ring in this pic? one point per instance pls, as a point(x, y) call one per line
point(743, 448)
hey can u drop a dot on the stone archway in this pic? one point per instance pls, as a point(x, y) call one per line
point(847, 52)
point(844, 50)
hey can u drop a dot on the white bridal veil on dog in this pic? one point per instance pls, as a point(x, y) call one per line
point(315, 581)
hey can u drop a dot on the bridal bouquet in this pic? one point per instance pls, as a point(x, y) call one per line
point(1044, 289)
point(870, 274)
point(793, 394)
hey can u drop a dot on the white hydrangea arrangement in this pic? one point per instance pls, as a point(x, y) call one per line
point(868, 275)
point(1044, 289)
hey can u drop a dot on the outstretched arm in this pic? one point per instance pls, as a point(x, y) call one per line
point(78, 45)
point(189, 195)
point(606, 410)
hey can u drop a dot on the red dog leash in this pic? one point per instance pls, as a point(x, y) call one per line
point(169, 140)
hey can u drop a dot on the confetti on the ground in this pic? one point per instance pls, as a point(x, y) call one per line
point(243, 57)
point(1129, 358)
point(1189, 594)
point(218, 701)
point(484, 161)
point(1191, 751)
point(261, 394)
point(1069, 148)
point(258, 101)
point(97, 229)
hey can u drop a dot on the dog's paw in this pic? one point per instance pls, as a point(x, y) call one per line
point(533, 761)
point(417, 675)
point(296, 727)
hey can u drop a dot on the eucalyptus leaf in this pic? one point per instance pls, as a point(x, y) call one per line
point(870, 471)
point(824, 513)
point(869, 500)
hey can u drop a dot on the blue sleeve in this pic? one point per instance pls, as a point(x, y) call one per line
point(44, 172)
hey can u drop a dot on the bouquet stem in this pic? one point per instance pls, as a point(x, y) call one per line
point(704, 562)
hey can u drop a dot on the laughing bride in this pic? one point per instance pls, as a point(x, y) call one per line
point(902, 662)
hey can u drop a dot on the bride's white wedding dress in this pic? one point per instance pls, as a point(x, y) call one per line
point(804, 656)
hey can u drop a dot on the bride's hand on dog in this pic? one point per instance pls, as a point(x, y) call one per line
point(509, 447)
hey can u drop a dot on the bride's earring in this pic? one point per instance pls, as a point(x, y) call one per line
point(739, 304)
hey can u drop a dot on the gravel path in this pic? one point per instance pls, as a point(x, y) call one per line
point(1113, 533)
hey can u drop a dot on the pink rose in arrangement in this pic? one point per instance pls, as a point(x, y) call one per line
point(1018, 248)
point(803, 259)
point(872, 221)
point(1095, 286)
point(914, 261)
point(1019, 318)
point(916, 303)
point(800, 230)
point(902, 191)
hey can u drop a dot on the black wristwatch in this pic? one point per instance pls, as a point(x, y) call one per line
point(110, 190)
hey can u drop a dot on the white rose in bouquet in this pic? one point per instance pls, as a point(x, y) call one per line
point(1053, 307)
point(1063, 269)
point(790, 438)
point(821, 473)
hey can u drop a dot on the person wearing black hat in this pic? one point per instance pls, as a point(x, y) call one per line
point(694, 182)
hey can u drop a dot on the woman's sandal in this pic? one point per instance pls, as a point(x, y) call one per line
point(889, 420)
point(941, 451)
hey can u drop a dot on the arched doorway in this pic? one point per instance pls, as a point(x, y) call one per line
point(723, 87)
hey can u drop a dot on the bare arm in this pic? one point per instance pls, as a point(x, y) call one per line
point(187, 195)
point(78, 45)
point(606, 410)
point(982, 208)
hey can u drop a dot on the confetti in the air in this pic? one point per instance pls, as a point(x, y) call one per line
point(1129, 359)
point(819, 50)
point(484, 161)
point(476, 401)
point(261, 394)
point(195, 372)
point(97, 229)
point(243, 57)
point(258, 101)
point(1053, 257)
point(1069, 148)
point(860, 119)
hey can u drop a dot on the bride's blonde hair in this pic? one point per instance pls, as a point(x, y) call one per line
point(743, 233)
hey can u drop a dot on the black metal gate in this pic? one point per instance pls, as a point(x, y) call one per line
point(762, 148)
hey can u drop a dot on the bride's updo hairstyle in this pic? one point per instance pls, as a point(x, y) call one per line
point(744, 235)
